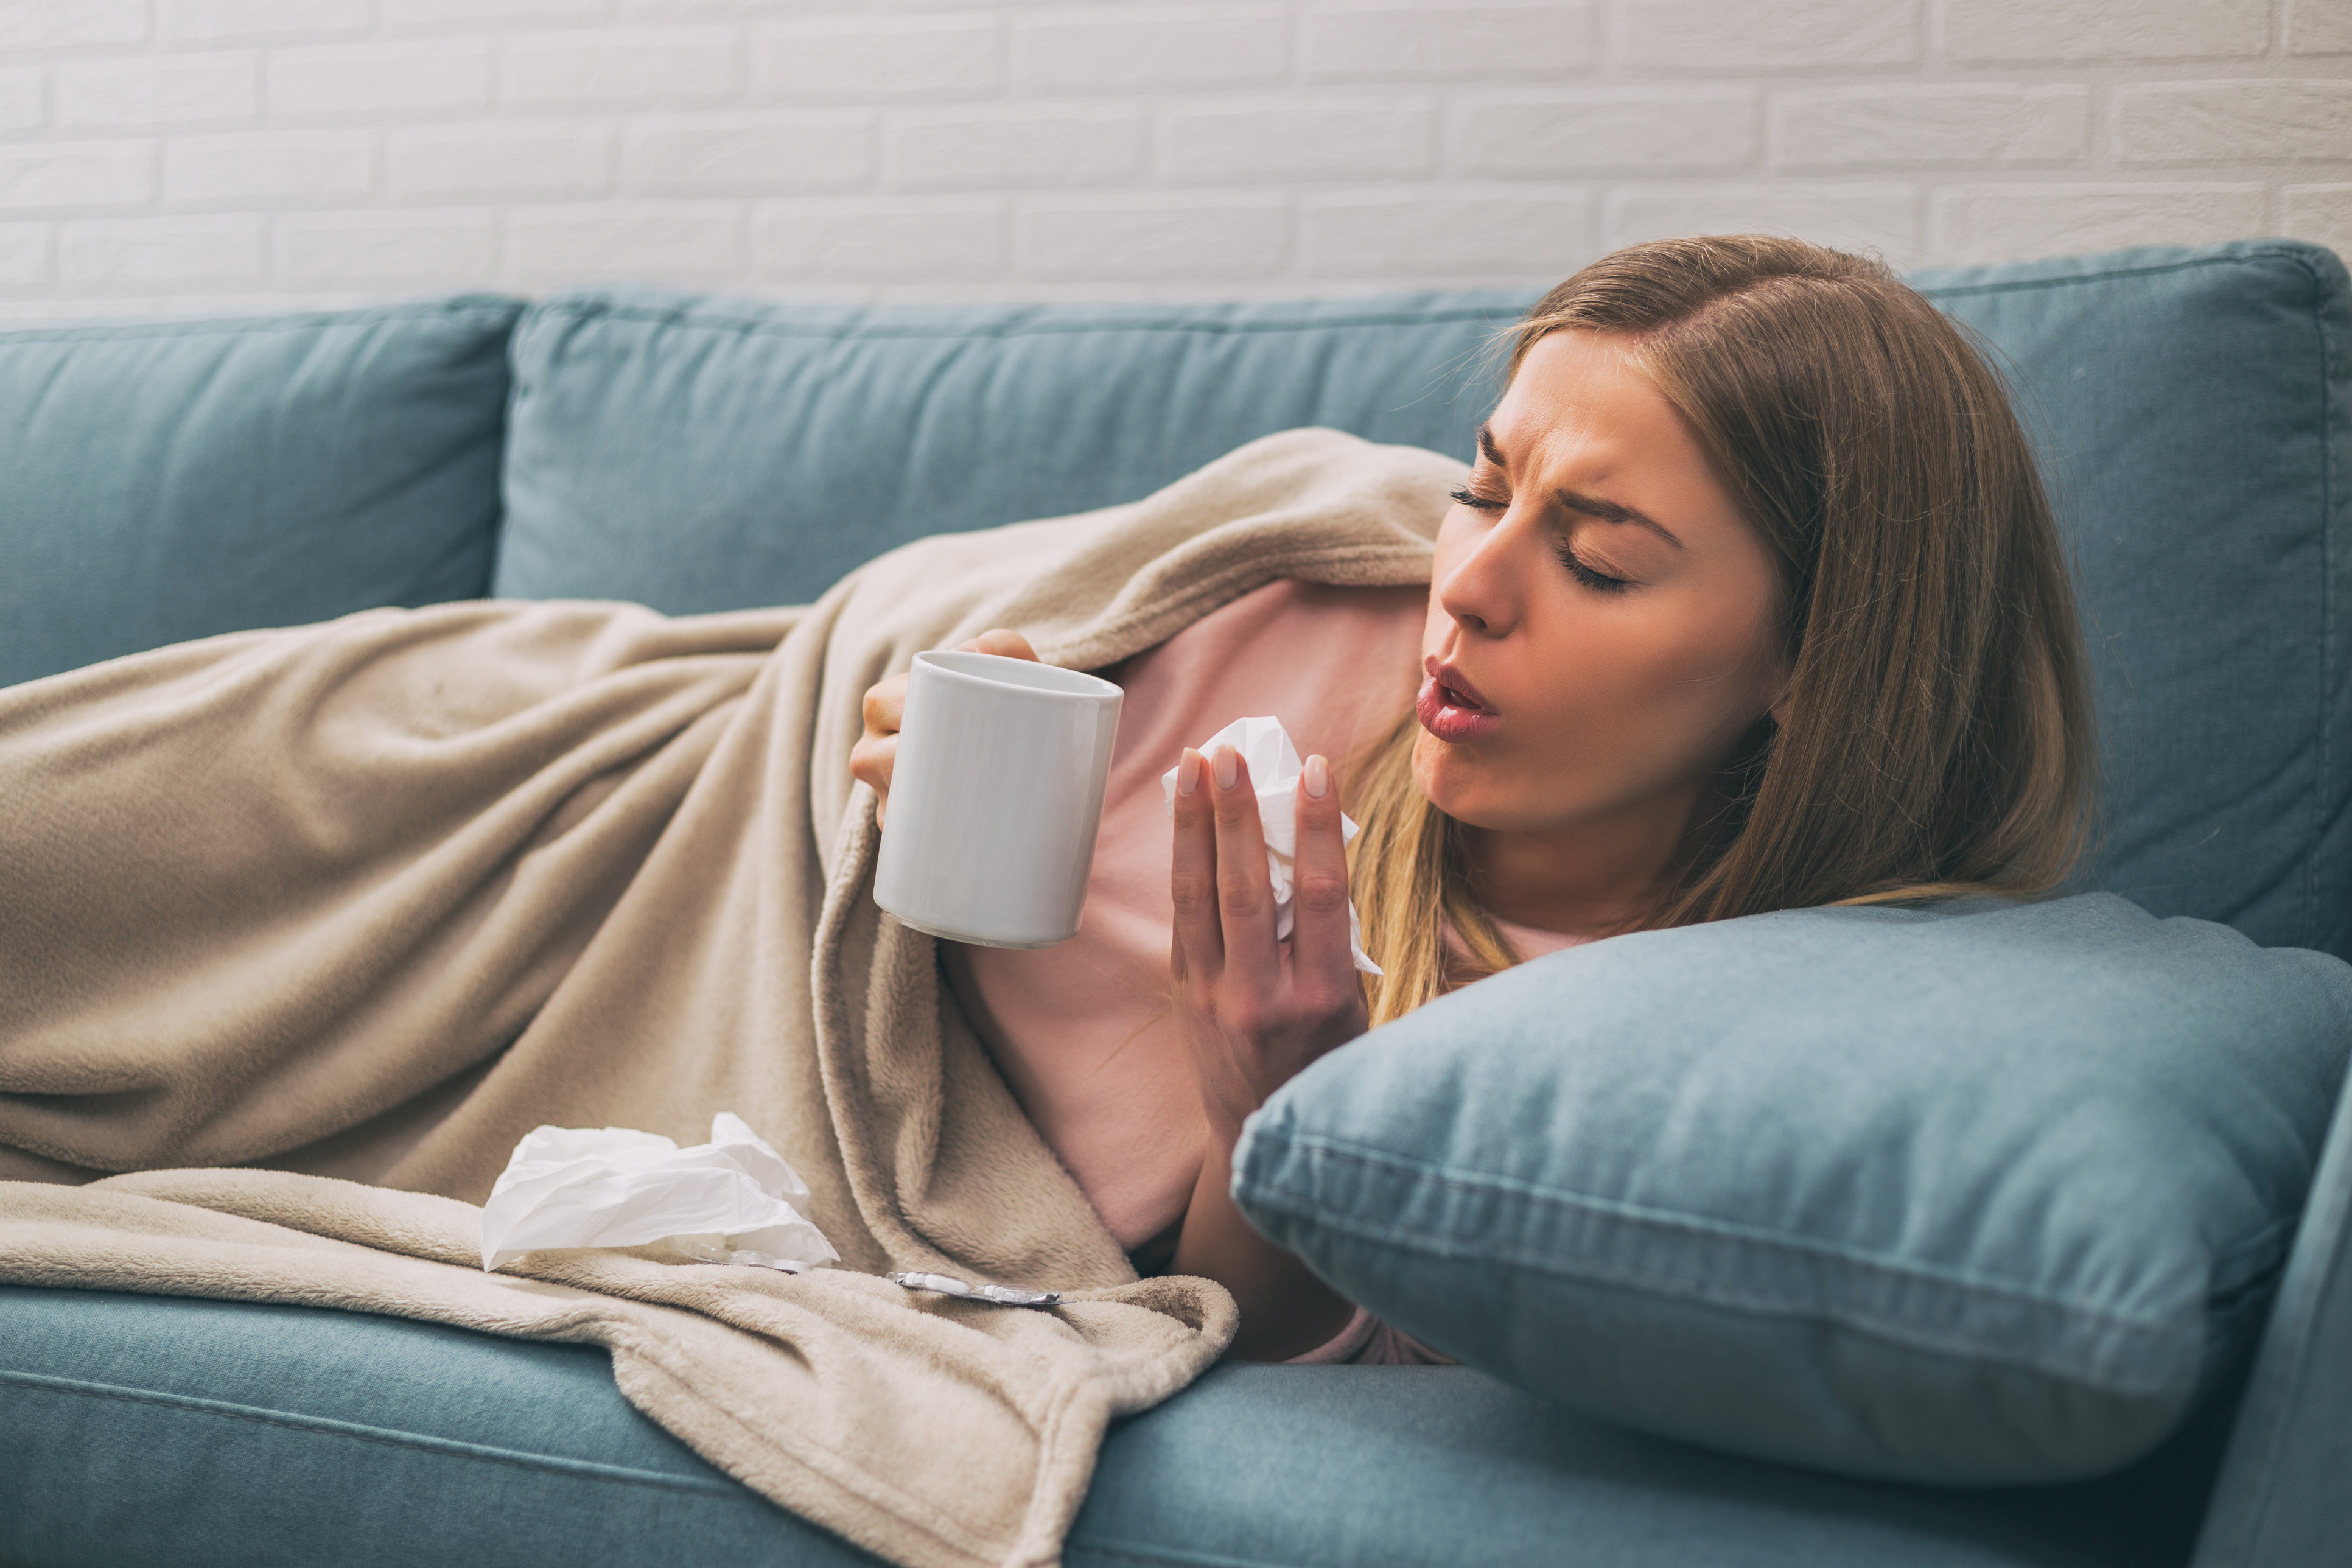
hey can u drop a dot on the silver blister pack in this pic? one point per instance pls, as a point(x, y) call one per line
point(1000, 1295)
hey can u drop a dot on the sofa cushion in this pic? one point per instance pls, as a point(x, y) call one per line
point(168, 480)
point(1984, 1193)
point(2194, 409)
point(694, 453)
point(160, 1432)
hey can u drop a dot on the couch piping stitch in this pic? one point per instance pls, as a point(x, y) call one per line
point(1756, 1236)
point(584, 311)
point(2152, 269)
point(446, 1448)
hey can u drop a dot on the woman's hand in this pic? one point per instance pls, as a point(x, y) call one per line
point(876, 756)
point(1253, 1013)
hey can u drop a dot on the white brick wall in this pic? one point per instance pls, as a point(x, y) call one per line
point(198, 153)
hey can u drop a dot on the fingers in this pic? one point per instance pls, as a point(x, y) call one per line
point(876, 756)
point(1319, 950)
point(1244, 889)
point(1192, 874)
point(871, 762)
point(885, 707)
point(1004, 643)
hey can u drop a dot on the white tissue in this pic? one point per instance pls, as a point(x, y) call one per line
point(1274, 770)
point(727, 1201)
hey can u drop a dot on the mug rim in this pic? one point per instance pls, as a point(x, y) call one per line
point(1057, 681)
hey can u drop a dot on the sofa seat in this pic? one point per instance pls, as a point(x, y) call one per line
point(404, 1442)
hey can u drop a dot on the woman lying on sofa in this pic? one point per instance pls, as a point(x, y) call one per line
point(1752, 601)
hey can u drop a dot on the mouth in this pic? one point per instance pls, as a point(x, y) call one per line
point(1449, 706)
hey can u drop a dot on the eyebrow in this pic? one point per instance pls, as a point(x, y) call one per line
point(1576, 501)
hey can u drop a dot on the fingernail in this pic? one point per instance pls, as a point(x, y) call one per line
point(1317, 777)
point(1188, 772)
point(1229, 767)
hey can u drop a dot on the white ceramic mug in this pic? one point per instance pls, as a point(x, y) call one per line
point(995, 798)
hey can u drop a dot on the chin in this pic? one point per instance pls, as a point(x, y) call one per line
point(1454, 782)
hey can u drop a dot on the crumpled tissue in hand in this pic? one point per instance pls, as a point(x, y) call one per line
point(727, 1201)
point(1274, 769)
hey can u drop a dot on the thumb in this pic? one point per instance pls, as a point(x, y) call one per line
point(1004, 643)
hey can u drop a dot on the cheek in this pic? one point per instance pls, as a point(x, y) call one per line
point(1642, 706)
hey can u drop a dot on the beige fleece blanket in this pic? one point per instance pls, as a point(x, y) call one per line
point(380, 896)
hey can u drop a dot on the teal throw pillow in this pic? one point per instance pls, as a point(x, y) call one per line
point(1982, 1193)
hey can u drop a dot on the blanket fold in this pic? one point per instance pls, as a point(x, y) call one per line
point(376, 898)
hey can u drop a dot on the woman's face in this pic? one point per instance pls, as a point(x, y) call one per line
point(1602, 625)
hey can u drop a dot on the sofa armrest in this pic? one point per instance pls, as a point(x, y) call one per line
point(2279, 1501)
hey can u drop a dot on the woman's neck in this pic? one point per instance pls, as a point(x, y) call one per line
point(1592, 878)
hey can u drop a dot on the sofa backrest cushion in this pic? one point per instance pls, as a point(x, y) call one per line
point(167, 479)
point(695, 453)
point(2194, 409)
point(1985, 1194)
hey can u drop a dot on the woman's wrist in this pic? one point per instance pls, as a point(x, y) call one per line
point(1286, 1310)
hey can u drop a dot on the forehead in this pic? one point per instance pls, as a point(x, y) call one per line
point(1584, 391)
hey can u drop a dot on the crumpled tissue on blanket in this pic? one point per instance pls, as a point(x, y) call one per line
point(1274, 769)
point(727, 1201)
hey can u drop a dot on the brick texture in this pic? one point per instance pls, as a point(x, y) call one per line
point(621, 70)
point(1145, 241)
point(1742, 37)
point(24, 256)
point(1012, 150)
point(903, 241)
point(604, 241)
point(2322, 213)
point(2070, 30)
point(67, 175)
point(187, 154)
point(2233, 121)
point(510, 158)
point(919, 60)
point(1991, 223)
point(161, 252)
point(215, 21)
point(31, 25)
point(411, 247)
point(1411, 44)
point(158, 90)
point(1337, 139)
point(361, 81)
point(1990, 125)
point(270, 166)
point(1454, 237)
point(2319, 28)
point(1874, 218)
point(1152, 53)
point(754, 155)
point(24, 101)
point(1627, 130)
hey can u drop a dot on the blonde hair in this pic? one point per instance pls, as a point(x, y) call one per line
point(1939, 737)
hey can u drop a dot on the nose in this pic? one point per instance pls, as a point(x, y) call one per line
point(1483, 588)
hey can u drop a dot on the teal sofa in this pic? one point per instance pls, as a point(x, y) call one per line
point(172, 480)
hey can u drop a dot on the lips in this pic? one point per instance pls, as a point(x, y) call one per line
point(1449, 706)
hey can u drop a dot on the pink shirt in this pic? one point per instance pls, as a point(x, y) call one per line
point(1085, 1032)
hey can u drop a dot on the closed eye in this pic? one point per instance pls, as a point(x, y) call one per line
point(1599, 582)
